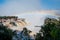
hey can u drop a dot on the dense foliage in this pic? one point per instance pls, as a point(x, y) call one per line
point(5, 33)
point(21, 35)
point(50, 30)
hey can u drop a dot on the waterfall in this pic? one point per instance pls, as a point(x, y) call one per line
point(18, 35)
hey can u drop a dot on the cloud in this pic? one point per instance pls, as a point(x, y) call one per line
point(51, 12)
point(43, 12)
point(17, 7)
point(23, 6)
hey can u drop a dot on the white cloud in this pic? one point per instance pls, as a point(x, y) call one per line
point(17, 7)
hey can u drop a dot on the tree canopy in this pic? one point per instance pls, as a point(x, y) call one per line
point(50, 30)
point(5, 33)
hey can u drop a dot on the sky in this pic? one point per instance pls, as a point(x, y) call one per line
point(13, 7)
point(34, 11)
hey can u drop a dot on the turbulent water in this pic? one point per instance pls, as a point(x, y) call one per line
point(19, 35)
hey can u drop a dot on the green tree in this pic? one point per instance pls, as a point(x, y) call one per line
point(50, 30)
point(25, 32)
point(38, 36)
point(5, 33)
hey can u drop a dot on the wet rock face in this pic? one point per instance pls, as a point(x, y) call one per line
point(19, 35)
point(13, 22)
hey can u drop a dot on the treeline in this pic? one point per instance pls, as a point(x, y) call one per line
point(8, 34)
point(7, 17)
point(50, 30)
point(5, 33)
